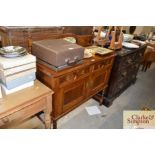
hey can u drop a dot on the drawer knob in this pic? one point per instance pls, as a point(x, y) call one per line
point(75, 77)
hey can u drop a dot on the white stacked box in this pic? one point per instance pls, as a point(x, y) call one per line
point(17, 73)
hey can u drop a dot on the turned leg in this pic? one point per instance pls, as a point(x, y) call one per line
point(54, 124)
point(149, 64)
point(47, 112)
point(146, 66)
point(47, 121)
point(143, 66)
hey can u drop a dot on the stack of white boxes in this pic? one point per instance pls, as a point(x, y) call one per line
point(17, 73)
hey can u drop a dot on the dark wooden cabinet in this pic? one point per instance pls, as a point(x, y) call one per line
point(74, 85)
point(124, 72)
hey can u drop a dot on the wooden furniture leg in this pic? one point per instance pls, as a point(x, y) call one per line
point(47, 121)
point(99, 97)
point(47, 112)
point(146, 66)
point(143, 66)
point(54, 124)
point(149, 64)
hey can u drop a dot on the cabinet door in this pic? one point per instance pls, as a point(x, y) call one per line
point(97, 82)
point(73, 94)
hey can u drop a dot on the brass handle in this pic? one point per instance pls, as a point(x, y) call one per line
point(75, 77)
point(102, 66)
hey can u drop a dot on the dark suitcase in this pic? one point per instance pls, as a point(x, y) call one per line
point(57, 53)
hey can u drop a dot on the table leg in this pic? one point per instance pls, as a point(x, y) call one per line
point(149, 64)
point(47, 121)
point(47, 112)
point(54, 124)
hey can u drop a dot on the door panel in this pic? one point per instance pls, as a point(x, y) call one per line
point(73, 94)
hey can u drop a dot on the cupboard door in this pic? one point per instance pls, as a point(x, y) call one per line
point(97, 82)
point(73, 94)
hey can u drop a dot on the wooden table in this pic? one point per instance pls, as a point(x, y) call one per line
point(19, 106)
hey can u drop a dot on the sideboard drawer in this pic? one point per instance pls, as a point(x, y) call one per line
point(101, 65)
point(72, 76)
